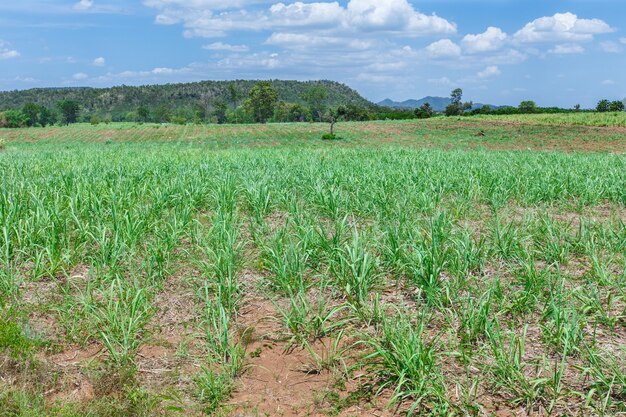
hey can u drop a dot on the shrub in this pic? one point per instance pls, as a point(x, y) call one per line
point(3, 144)
point(424, 112)
point(329, 136)
point(13, 119)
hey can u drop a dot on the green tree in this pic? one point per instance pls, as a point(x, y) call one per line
point(32, 112)
point(616, 106)
point(603, 106)
point(456, 106)
point(220, 111)
point(527, 107)
point(70, 110)
point(262, 99)
point(234, 94)
point(47, 117)
point(425, 111)
point(162, 114)
point(316, 98)
point(143, 114)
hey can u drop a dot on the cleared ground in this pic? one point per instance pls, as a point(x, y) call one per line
point(440, 267)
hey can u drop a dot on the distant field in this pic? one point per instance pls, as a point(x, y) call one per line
point(536, 132)
point(579, 119)
point(440, 267)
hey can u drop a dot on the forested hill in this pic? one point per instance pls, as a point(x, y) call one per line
point(116, 101)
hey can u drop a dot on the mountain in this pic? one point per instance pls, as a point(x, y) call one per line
point(437, 103)
point(117, 101)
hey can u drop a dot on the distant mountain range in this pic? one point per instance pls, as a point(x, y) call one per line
point(437, 103)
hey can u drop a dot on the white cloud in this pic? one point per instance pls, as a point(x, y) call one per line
point(607, 82)
point(28, 80)
point(220, 46)
point(561, 27)
point(6, 52)
point(83, 5)
point(490, 71)
point(443, 48)
point(440, 81)
point(611, 47)
point(567, 49)
point(367, 17)
point(99, 62)
point(622, 40)
point(491, 40)
point(303, 41)
point(80, 76)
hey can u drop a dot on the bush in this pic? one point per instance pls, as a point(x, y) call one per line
point(424, 112)
point(329, 136)
point(3, 144)
point(13, 119)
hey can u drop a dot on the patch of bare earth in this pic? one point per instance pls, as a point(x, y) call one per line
point(282, 380)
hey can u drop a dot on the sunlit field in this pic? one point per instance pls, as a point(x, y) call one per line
point(448, 267)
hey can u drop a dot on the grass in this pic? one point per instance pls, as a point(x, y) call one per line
point(411, 266)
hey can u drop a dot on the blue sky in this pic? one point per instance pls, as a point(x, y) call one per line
point(555, 52)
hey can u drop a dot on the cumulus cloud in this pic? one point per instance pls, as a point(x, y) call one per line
point(567, 49)
point(607, 82)
point(80, 76)
point(561, 27)
point(99, 62)
point(491, 40)
point(490, 71)
point(199, 17)
point(622, 40)
point(83, 5)
point(220, 46)
point(6, 52)
point(444, 48)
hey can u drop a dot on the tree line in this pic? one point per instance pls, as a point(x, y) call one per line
point(458, 107)
point(262, 103)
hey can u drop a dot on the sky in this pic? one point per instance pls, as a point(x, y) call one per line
point(555, 52)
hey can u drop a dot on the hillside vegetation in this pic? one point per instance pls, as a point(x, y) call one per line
point(116, 102)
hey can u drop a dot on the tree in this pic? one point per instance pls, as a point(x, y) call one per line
point(143, 114)
point(234, 94)
point(220, 111)
point(47, 117)
point(162, 114)
point(316, 98)
point(603, 106)
point(32, 111)
point(616, 106)
point(425, 111)
point(69, 111)
point(527, 107)
point(331, 116)
point(485, 109)
point(456, 106)
point(262, 99)
point(577, 107)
